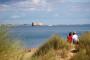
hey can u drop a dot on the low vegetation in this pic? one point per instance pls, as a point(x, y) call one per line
point(9, 48)
point(53, 48)
point(84, 45)
point(57, 48)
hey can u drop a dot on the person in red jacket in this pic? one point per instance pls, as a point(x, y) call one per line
point(69, 39)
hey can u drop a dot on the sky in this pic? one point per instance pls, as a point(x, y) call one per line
point(52, 12)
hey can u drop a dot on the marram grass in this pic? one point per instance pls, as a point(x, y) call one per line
point(9, 49)
point(84, 45)
point(48, 50)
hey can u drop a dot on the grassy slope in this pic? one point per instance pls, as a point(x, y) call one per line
point(84, 44)
point(9, 49)
point(55, 47)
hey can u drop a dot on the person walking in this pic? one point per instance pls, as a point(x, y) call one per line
point(69, 39)
point(75, 40)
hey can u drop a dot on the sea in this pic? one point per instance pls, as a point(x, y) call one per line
point(35, 36)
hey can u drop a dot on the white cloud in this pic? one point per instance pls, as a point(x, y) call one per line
point(31, 5)
point(4, 7)
point(28, 4)
point(36, 2)
point(49, 9)
point(57, 14)
point(15, 16)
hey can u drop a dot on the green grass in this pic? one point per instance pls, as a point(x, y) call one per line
point(9, 49)
point(84, 45)
point(53, 47)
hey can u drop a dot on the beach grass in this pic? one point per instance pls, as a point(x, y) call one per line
point(56, 48)
point(9, 49)
point(51, 49)
point(84, 45)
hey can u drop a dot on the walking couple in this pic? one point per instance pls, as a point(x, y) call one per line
point(72, 38)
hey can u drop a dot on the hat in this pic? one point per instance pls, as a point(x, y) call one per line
point(74, 32)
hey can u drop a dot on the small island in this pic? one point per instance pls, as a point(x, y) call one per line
point(38, 24)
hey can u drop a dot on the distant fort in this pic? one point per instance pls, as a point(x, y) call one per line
point(38, 24)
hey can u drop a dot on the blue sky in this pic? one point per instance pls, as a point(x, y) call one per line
point(51, 12)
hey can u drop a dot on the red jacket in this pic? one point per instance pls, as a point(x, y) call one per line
point(69, 39)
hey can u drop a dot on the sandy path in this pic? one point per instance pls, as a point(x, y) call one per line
point(27, 55)
point(70, 54)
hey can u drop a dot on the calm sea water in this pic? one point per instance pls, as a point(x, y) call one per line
point(35, 36)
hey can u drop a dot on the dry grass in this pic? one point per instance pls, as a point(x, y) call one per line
point(84, 45)
point(55, 47)
point(9, 49)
